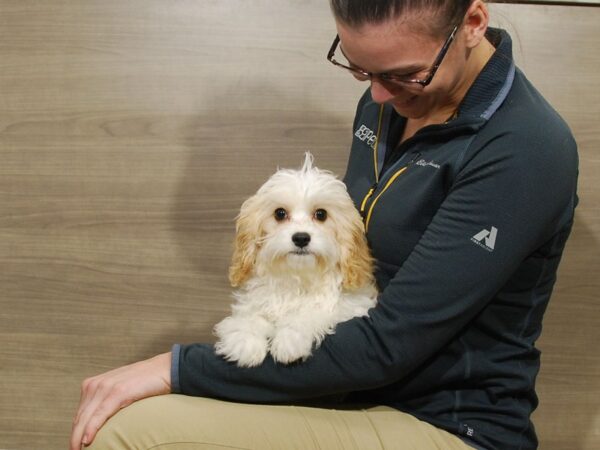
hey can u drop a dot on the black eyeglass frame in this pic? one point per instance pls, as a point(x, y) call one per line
point(390, 77)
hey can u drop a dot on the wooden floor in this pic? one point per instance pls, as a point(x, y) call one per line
point(130, 133)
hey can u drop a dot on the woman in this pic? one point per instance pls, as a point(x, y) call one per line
point(466, 179)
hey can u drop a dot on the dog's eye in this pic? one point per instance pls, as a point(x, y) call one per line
point(321, 215)
point(280, 214)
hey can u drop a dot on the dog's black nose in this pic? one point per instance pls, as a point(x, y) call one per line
point(301, 239)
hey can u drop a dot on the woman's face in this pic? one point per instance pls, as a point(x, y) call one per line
point(397, 47)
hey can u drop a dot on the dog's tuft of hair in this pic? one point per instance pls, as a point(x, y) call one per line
point(301, 264)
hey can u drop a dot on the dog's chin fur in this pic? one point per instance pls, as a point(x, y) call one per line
point(290, 297)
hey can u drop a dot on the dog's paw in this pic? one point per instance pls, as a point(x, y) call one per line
point(289, 345)
point(238, 344)
point(246, 349)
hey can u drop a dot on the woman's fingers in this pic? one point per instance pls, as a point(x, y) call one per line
point(104, 395)
point(93, 406)
point(107, 404)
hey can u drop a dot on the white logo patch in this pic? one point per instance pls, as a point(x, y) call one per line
point(486, 239)
point(366, 135)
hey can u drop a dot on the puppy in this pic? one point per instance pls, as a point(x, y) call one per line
point(301, 265)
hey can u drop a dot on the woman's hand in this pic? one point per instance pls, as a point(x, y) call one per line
point(103, 395)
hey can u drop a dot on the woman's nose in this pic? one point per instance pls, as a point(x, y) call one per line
point(380, 92)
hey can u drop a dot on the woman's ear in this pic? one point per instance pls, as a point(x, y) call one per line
point(476, 23)
point(246, 243)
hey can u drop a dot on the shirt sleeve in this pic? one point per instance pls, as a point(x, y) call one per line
point(444, 283)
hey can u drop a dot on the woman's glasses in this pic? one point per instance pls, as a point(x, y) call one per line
point(390, 77)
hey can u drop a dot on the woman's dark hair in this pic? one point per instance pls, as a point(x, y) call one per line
point(360, 12)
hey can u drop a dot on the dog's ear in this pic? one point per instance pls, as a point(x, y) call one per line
point(246, 242)
point(356, 261)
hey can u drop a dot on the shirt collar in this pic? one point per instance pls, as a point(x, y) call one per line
point(491, 87)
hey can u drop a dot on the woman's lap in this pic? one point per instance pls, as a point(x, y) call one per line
point(177, 422)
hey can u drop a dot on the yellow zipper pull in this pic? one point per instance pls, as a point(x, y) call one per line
point(387, 185)
point(366, 199)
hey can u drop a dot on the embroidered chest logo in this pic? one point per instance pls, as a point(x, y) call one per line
point(486, 238)
point(366, 135)
point(424, 163)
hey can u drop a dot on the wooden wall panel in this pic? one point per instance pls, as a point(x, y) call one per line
point(130, 133)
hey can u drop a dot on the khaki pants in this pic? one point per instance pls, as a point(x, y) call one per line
point(177, 422)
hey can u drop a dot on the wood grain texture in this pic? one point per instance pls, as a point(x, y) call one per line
point(130, 133)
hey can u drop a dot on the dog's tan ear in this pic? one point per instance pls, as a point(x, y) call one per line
point(246, 242)
point(356, 261)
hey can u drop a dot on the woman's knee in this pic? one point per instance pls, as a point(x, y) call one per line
point(178, 422)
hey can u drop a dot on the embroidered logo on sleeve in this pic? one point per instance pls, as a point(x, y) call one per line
point(366, 135)
point(486, 238)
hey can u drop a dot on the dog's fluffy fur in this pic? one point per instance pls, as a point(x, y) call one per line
point(301, 265)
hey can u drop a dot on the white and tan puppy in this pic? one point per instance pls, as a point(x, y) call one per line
point(301, 265)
